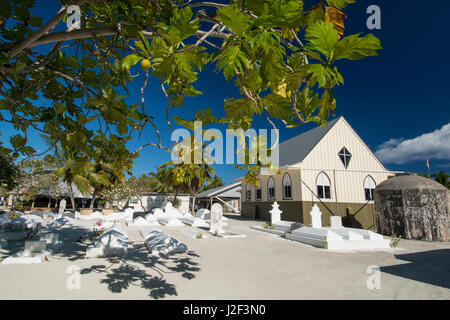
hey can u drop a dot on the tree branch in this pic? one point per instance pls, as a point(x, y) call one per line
point(48, 27)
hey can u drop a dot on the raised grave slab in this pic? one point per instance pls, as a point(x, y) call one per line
point(367, 234)
point(337, 238)
point(193, 234)
point(139, 222)
point(318, 237)
point(272, 231)
point(287, 226)
point(112, 243)
point(171, 222)
point(158, 242)
point(195, 222)
point(34, 252)
point(22, 258)
point(62, 222)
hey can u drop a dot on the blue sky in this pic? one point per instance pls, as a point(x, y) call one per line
point(396, 101)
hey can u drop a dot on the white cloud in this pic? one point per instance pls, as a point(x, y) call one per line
point(435, 144)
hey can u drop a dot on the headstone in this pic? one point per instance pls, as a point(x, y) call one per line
point(336, 222)
point(216, 219)
point(129, 213)
point(169, 210)
point(62, 205)
point(316, 214)
point(158, 213)
point(34, 248)
point(275, 213)
point(50, 237)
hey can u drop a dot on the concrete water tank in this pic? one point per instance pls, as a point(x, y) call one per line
point(412, 207)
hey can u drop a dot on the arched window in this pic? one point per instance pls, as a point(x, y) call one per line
point(248, 192)
point(323, 186)
point(258, 191)
point(369, 186)
point(271, 189)
point(287, 187)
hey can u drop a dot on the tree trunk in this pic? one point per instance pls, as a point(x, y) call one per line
point(91, 206)
point(175, 197)
point(193, 204)
point(72, 199)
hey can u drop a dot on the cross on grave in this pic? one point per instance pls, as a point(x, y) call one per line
point(275, 213)
point(316, 214)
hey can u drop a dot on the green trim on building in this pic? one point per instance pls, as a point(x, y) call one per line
point(354, 215)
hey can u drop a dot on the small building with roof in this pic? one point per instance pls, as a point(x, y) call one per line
point(228, 196)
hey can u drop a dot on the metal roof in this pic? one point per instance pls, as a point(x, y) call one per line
point(295, 150)
point(229, 191)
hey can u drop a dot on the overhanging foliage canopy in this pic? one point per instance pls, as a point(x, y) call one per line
point(280, 54)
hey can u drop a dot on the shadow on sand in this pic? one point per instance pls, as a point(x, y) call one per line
point(432, 267)
point(138, 268)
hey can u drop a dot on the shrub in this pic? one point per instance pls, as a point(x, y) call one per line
point(395, 240)
point(99, 231)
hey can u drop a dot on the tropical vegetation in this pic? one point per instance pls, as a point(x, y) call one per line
point(281, 55)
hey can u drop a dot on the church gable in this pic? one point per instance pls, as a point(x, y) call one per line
point(342, 149)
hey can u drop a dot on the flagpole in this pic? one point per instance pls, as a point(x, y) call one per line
point(428, 166)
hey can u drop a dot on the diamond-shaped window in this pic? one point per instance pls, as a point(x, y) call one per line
point(345, 156)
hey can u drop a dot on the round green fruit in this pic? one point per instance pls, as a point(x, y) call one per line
point(145, 64)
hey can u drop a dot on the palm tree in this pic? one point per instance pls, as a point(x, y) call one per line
point(163, 180)
point(194, 178)
point(73, 166)
point(215, 183)
point(98, 179)
point(443, 178)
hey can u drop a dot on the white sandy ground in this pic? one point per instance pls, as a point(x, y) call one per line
point(261, 266)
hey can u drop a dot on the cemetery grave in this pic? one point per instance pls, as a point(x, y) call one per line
point(336, 237)
point(111, 243)
point(216, 224)
point(160, 243)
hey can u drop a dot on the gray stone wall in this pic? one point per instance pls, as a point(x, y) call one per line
point(421, 214)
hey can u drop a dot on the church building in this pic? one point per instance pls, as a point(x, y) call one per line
point(329, 166)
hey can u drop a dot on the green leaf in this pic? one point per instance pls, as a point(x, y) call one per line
point(322, 37)
point(232, 59)
point(233, 18)
point(277, 106)
point(325, 75)
point(17, 141)
point(339, 4)
point(355, 47)
point(130, 60)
